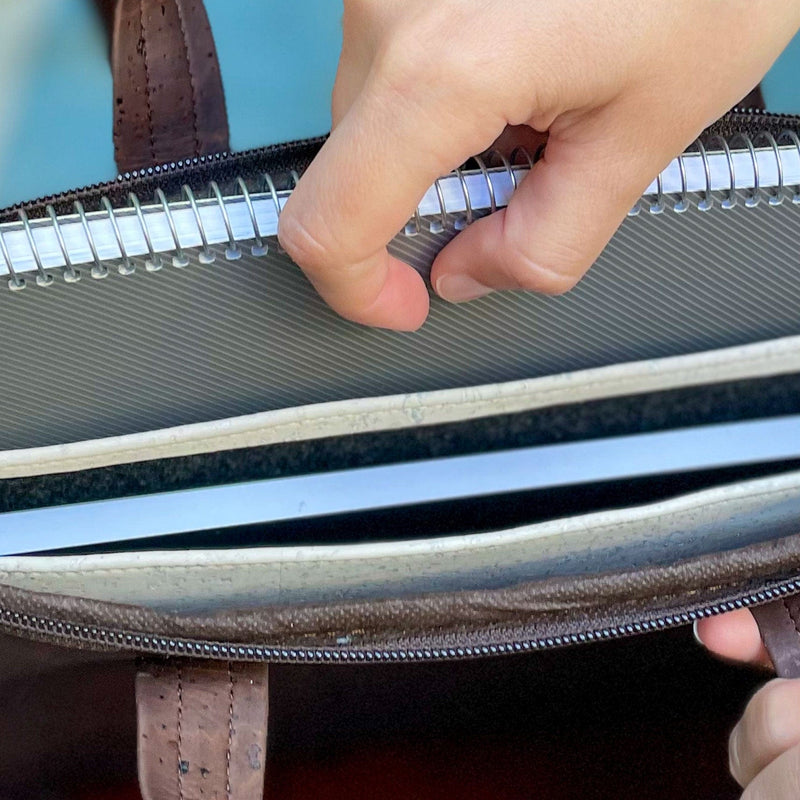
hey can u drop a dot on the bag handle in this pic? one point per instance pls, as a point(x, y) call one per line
point(779, 624)
point(202, 730)
point(169, 102)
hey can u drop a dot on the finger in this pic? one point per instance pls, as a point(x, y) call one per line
point(359, 192)
point(361, 31)
point(733, 636)
point(770, 725)
point(780, 780)
point(349, 82)
point(562, 215)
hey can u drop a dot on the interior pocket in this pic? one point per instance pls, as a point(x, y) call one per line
point(628, 538)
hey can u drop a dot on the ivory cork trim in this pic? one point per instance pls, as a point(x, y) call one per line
point(298, 574)
point(776, 357)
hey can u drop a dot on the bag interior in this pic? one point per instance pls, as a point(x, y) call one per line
point(562, 534)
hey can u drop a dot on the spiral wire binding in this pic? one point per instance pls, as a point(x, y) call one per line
point(659, 206)
point(126, 266)
point(206, 255)
point(776, 197)
point(259, 247)
point(98, 270)
point(179, 258)
point(489, 185)
point(467, 219)
point(270, 186)
point(71, 275)
point(15, 283)
point(795, 140)
point(682, 205)
point(523, 151)
point(42, 278)
point(232, 252)
point(154, 263)
point(507, 167)
point(707, 203)
point(754, 198)
point(730, 201)
point(484, 167)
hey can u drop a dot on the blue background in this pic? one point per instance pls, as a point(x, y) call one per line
point(781, 86)
point(278, 62)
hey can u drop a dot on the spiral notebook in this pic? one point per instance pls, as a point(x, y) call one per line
point(128, 311)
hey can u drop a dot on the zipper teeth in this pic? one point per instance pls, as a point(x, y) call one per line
point(753, 111)
point(107, 638)
point(169, 168)
point(227, 158)
point(134, 175)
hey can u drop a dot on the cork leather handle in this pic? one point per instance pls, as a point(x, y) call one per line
point(779, 624)
point(169, 102)
point(202, 725)
point(202, 730)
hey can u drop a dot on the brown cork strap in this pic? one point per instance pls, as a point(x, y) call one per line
point(779, 623)
point(202, 730)
point(168, 98)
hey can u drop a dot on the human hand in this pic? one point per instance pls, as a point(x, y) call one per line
point(622, 87)
point(764, 748)
point(733, 636)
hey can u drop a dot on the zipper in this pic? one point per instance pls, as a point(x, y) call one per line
point(296, 155)
point(750, 121)
point(67, 634)
point(759, 113)
point(197, 172)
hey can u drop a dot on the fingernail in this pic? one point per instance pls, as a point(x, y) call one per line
point(696, 634)
point(460, 288)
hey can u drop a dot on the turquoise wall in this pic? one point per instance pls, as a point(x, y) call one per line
point(781, 86)
point(278, 64)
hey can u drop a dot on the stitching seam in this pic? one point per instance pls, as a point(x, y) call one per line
point(191, 75)
point(792, 617)
point(180, 734)
point(147, 81)
point(228, 793)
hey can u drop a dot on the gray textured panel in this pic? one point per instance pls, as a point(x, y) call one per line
point(153, 350)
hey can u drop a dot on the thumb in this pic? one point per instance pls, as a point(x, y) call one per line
point(733, 636)
point(561, 216)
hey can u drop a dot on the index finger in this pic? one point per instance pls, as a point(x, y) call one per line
point(358, 193)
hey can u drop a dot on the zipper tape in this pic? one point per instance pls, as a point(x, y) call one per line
point(95, 637)
point(747, 169)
